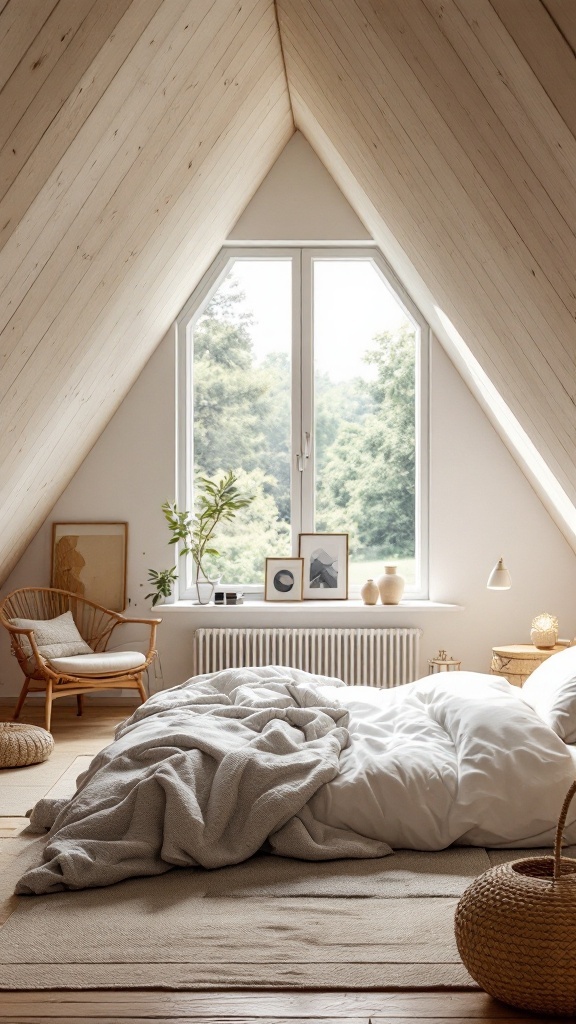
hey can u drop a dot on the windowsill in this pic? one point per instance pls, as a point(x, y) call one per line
point(283, 608)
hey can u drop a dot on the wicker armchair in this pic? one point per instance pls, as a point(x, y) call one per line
point(95, 625)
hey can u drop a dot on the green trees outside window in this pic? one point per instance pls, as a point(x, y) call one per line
point(364, 437)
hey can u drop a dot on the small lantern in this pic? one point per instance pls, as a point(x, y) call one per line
point(544, 631)
point(442, 663)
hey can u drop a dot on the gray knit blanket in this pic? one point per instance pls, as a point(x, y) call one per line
point(205, 774)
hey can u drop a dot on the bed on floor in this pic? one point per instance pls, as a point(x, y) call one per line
point(275, 759)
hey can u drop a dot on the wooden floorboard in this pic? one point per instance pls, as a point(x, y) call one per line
point(243, 1007)
point(89, 734)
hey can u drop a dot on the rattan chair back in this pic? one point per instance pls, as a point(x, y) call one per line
point(95, 625)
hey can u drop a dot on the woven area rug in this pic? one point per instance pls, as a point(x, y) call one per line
point(268, 923)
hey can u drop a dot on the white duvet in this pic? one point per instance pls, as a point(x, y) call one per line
point(208, 772)
point(452, 758)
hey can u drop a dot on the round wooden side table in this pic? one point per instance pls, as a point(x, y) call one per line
point(517, 661)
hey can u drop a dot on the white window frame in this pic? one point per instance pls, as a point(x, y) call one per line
point(302, 409)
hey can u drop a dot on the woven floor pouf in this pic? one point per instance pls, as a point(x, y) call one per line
point(516, 930)
point(23, 744)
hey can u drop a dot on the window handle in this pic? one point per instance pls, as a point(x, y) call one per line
point(302, 457)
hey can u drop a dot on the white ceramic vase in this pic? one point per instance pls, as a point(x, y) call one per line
point(391, 585)
point(369, 592)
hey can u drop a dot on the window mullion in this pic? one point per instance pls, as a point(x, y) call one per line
point(307, 393)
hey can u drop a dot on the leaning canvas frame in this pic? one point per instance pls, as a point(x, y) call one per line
point(89, 559)
point(325, 566)
point(274, 590)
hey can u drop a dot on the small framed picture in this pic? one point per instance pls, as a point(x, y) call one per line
point(89, 559)
point(325, 566)
point(284, 579)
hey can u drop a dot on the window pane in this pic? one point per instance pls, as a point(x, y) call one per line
point(364, 381)
point(242, 410)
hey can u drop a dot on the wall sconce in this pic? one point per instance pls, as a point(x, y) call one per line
point(499, 578)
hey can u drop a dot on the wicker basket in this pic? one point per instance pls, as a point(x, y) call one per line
point(23, 744)
point(516, 930)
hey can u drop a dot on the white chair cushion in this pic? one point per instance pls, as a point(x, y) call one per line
point(98, 664)
point(55, 638)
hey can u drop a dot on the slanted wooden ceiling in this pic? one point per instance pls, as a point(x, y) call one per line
point(132, 136)
point(134, 133)
point(450, 127)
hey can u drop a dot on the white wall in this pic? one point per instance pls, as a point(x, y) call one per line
point(481, 507)
point(298, 200)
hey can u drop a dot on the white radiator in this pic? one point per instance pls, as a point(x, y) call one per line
point(360, 657)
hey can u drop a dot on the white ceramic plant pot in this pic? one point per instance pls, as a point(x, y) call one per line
point(369, 592)
point(391, 585)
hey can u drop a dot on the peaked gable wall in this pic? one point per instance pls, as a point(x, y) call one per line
point(133, 136)
point(454, 142)
point(298, 201)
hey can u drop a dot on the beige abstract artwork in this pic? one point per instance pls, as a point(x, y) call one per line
point(89, 559)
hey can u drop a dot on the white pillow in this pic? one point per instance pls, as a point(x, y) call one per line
point(551, 691)
point(55, 638)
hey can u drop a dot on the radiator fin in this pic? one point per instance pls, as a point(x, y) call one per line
point(360, 657)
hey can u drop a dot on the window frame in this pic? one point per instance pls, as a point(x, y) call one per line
point(302, 490)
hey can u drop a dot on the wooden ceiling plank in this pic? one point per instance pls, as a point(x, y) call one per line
point(100, 140)
point(72, 115)
point(118, 250)
point(19, 26)
point(512, 89)
point(65, 102)
point(58, 288)
point(548, 53)
point(32, 71)
point(445, 163)
point(347, 132)
point(564, 15)
point(528, 205)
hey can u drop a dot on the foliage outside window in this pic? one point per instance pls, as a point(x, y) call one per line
point(247, 397)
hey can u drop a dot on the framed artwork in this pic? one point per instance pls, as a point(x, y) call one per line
point(89, 559)
point(325, 566)
point(284, 579)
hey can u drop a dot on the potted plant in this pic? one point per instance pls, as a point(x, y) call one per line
point(216, 503)
point(163, 581)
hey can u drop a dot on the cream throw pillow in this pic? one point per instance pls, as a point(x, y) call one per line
point(55, 638)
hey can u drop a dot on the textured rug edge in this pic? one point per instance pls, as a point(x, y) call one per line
point(359, 977)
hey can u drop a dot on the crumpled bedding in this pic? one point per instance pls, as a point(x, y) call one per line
point(206, 773)
point(456, 757)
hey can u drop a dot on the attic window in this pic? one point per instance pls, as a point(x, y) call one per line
point(305, 371)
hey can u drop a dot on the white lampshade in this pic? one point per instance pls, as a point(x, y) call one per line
point(499, 578)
